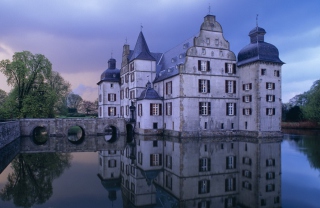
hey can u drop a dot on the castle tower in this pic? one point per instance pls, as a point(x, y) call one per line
point(259, 70)
point(109, 91)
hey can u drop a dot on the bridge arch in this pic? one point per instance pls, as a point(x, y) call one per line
point(111, 133)
point(40, 135)
point(76, 134)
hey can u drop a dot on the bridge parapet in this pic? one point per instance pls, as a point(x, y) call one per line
point(9, 131)
point(59, 126)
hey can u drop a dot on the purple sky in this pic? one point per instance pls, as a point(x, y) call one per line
point(78, 37)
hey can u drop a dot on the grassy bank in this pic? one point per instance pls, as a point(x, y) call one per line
point(300, 125)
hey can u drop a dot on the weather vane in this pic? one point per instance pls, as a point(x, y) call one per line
point(209, 9)
point(257, 20)
point(141, 27)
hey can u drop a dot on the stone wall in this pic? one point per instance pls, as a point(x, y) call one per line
point(9, 131)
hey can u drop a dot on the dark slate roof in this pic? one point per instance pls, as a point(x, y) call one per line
point(141, 50)
point(168, 66)
point(111, 74)
point(149, 94)
point(258, 50)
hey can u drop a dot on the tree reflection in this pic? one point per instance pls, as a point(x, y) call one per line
point(32, 177)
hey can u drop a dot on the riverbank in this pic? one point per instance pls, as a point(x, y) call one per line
point(300, 125)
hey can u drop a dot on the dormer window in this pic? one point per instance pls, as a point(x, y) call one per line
point(131, 66)
point(208, 41)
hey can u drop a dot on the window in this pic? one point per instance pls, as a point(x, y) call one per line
point(276, 200)
point(122, 80)
point(169, 181)
point(122, 166)
point(204, 204)
point(168, 161)
point(263, 202)
point(230, 86)
point(247, 98)
point(246, 185)
point(270, 162)
point(139, 109)
point(246, 160)
point(127, 92)
point(270, 85)
point(132, 94)
point(122, 110)
point(208, 41)
point(230, 202)
point(140, 158)
point(203, 51)
point(231, 109)
point(247, 111)
point(263, 71)
point(131, 66)
point(246, 173)
point(230, 68)
point(155, 143)
point(133, 187)
point(155, 109)
point(270, 111)
point(132, 77)
point(204, 164)
point(121, 94)
point(270, 187)
point(169, 109)
point(168, 88)
point(204, 186)
point(270, 175)
point(155, 125)
point(112, 111)
point(276, 73)
point(155, 159)
point(230, 162)
point(270, 98)
point(204, 86)
point(100, 98)
point(111, 85)
point(127, 110)
point(132, 170)
point(230, 184)
point(247, 86)
point(204, 108)
point(203, 65)
point(127, 78)
point(112, 97)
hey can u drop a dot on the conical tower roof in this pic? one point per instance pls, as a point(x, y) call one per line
point(141, 50)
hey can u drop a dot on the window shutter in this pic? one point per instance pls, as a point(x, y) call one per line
point(151, 157)
point(243, 98)
point(250, 98)
point(243, 87)
point(226, 201)
point(250, 86)
point(160, 159)
point(200, 165)
point(226, 67)
point(234, 69)
point(227, 113)
point(208, 186)
point(273, 98)
point(226, 184)
point(209, 108)
point(267, 98)
point(235, 108)
point(234, 87)
point(227, 162)
point(234, 184)
point(208, 65)
point(235, 161)
point(209, 164)
point(243, 111)
point(226, 86)
point(166, 88)
point(273, 86)
point(108, 97)
point(208, 86)
point(160, 109)
point(199, 187)
point(115, 111)
point(266, 111)
point(250, 111)
point(115, 97)
point(199, 65)
point(150, 109)
point(109, 111)
point(199, 85)
point(200, 108)
point(266, 85)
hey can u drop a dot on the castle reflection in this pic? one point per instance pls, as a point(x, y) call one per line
point(197, 172)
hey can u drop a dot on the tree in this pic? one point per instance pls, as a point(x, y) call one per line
point(73, 102)
point(89, 107)
point(3, 96)
point(37, 90)
point(311, 107)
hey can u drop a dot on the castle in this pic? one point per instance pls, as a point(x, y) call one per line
point(198, 88)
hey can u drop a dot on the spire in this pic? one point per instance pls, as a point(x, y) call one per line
point(141, 50)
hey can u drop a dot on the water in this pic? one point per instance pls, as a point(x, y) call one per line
point(156, 172)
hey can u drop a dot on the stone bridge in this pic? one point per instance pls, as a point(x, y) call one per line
point(59, 127)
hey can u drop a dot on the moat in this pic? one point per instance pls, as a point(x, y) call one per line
point(168, 172)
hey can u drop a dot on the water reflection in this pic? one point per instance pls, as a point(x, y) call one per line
point(30, 182)
point(215, 172)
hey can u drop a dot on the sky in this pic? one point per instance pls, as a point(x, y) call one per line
point(80, 36)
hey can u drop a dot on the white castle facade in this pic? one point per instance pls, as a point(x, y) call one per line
point(197, 88)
